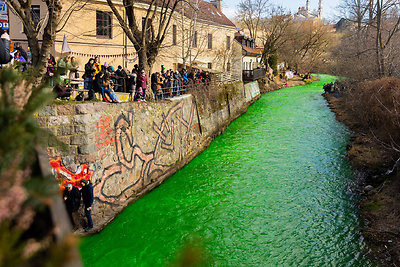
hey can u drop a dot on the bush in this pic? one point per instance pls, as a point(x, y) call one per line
point(375, 106)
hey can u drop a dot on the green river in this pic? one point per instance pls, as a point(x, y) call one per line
point(272, 190)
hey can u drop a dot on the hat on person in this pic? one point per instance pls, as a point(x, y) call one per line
point(69, 186)
point(106, 64)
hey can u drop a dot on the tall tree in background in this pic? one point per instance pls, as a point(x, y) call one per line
point(307, 42)
point(45, 28)
point(376, 35)
point(251, 13)
point(147, 32)
point(387, 22)
point(274, 31)
point(355, 11)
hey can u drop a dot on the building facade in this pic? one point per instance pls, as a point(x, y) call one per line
point(199, 35)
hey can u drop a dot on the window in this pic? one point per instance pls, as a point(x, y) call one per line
point(148, 30)
point(209, 41)
point(228, 66)
point(35, 13)
point(194, 44)
point(228, 43)
point(103, 24)
point(209, 65)
point(173, 34)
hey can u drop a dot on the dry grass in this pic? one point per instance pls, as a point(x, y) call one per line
point(375, 106)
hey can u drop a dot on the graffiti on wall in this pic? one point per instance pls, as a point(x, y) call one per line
point(130, 156)
point(65, 176)
point(105, 137)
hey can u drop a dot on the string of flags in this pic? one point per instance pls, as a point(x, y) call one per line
point(125, 56)
point(133, 60)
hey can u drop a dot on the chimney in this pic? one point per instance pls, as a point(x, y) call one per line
point(217, 4)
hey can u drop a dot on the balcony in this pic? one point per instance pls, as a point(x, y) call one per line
point(253, 75)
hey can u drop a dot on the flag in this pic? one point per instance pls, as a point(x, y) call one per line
point(65, 46)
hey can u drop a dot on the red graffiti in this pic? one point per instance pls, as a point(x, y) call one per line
point(105, 133)
point(65, 176)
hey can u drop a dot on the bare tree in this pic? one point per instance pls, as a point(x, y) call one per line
point(306, 43)
point(355, 11)
point(251, 13)
point(377, 30)
point(387, 22)
point(39, 52)
point(275, 29)
point(147, 33)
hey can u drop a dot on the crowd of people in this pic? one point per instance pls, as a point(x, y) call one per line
point(13, 53)
point(169, 83)
point(73, 197)
point(103, 78)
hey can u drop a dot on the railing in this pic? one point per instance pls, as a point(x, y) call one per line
point(253, 75)
point(121, 84)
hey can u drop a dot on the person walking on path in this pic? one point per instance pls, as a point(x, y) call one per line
point(87, 197)
point(72, 200)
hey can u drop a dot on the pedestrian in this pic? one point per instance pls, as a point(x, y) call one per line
point(5, 42)
point(72, 200)
point(159, 94)
point(102, 81)
point(142, 82)
point(154, 84)
point(89, 76)
point(87, 197)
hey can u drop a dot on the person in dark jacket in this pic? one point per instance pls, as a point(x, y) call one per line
point(72, 200)
point(5, 42)
point(87, 197)
point(89, 76)
point(154, 81)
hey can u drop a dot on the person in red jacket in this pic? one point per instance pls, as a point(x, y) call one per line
point(142, 82)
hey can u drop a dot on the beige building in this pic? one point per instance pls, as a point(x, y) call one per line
point(199, 35)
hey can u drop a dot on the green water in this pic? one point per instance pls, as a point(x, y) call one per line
point(270, 191)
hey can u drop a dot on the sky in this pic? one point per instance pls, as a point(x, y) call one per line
point(329, 6)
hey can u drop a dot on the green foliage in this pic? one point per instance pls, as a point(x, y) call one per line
point(20, 99)
point(10, 247)
point(273, 62)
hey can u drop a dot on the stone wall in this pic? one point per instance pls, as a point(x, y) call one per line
point(129, 148)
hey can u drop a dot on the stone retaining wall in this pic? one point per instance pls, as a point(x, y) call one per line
point(128, 149)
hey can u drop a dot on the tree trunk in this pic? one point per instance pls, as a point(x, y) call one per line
point(378, 42)
point(143, 63)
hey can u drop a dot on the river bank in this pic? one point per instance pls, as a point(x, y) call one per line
point(379, 190)
point(267, 85)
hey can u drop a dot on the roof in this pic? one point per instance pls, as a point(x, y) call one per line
point(252, 51)
point(242, 35)
point(208, 12)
